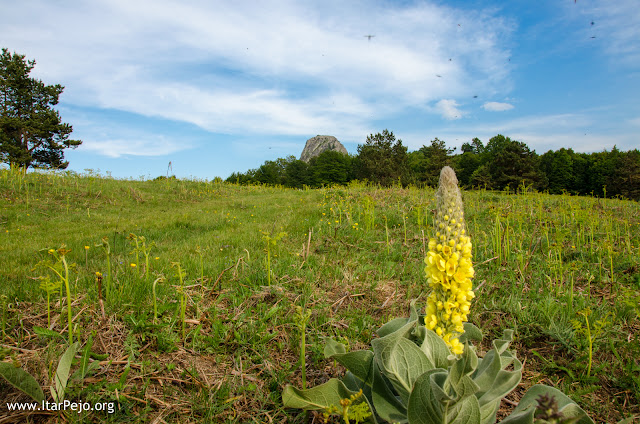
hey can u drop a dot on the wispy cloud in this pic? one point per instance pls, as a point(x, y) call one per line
point(617, 26)
point(115, 148)
point(449, 109)
point(497, 106)
point(273, 68)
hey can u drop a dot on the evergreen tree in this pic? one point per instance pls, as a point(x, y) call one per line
point(510, 163)
point(296, 174)
point(558, 169)
point(270, 172)
point(330, 167)
point(31, 131)
point(436, 157)
point(382, 159)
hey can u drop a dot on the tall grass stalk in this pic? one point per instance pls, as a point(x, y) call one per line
point(301, 318)
point(183, 301)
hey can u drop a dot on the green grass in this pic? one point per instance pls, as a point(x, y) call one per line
point(540, 261)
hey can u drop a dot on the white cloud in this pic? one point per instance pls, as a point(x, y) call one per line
point(115, 148)
point(273, 68)
point(497, 106)
point(449, 109)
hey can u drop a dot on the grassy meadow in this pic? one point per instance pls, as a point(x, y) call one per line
point(193, 317)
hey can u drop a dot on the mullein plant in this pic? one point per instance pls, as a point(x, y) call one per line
point(424, 369)
point(449, 268)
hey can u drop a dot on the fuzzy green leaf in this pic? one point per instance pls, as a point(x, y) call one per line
point(424, 407)
point(501, 344)
point(400, 323)
point(521, 417)
point(321, 397)
point(21, 380)
point(401, 360)
point(359, 362)
point(391, 327)
point(471, 333)
point(317, 398)
point(466, 411)
point(332, 347)
point(489, 411)
point(566, 405)
point(434, 347)
point(459, 377)
point(387, 405)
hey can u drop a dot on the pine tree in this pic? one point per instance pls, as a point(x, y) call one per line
point(31, 131)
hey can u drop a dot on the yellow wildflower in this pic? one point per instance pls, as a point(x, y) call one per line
point(449, 268)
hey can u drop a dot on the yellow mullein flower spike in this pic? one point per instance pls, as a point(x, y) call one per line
point(449, 268)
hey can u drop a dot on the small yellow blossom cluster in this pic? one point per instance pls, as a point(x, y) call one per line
point(449, 269)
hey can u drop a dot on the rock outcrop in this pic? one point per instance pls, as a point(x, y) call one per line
point(319, 144)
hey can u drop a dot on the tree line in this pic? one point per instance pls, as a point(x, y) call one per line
point(32, 134)
point(501, 164)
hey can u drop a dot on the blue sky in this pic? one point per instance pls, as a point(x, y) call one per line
point(217, 87)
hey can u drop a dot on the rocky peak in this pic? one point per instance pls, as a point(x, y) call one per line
point(319, 144)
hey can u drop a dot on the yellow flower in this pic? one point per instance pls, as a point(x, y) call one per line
point(449, 268)
point(451, 265)
point(133, 265)
point(456, 347)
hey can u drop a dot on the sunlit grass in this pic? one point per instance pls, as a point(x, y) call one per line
point(352, 255)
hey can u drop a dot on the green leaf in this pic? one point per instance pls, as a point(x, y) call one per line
point(317, 398)
point(500, 345)
point(496, 382)
point(401, 360)
point(386, 403)
point(413, 312)
point(364, 373)
point(459, 377)
point(354, 384)
point(321, 397)
point(62, 373)
point(21, 380)
point(471, 333)
point(466, 411)
point(359, 362)
point(522, 417)
point(489, 411)
point(423, 407)
point(398, 323)
point(503, 384)
point(566, 405)
point(391, 327)
point(434, 347)
point(333, 347)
